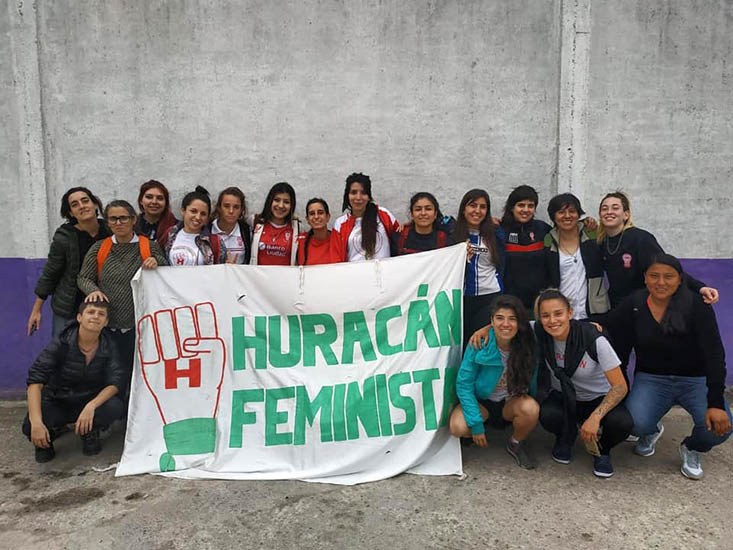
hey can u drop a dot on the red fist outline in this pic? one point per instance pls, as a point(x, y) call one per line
point(190, 335)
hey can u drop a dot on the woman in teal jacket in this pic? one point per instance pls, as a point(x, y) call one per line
point(496, 383)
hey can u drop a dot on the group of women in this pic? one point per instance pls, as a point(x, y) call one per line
point(560, 371)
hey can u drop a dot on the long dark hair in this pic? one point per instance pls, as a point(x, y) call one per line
point(522, 357)
point(369, 220)
point(486, 229)
point(425, 195)
point(309, 236)
point(518, 194)
point(674, 320)
point(66, 209)
point(280, 187)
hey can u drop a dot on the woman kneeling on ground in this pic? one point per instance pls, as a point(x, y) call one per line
point(679, 361)
point(495, 383)
point(75, 379)
point(587, 385)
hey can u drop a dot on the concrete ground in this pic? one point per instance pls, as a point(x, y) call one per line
point(647, 504)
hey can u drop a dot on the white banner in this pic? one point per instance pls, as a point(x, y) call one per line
point(339, 373)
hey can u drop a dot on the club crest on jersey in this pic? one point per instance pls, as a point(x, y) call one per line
point(513, 238)
point(627, 260)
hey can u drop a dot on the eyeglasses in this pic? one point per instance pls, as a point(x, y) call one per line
point(112, 220)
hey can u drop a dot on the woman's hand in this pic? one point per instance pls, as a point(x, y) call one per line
point(150, 263)
point(710, 295)
point(85, 420)
point(40, 436)
point(97, 296)
point(34, 322)
point(480, 440)
point(717, 421)
point(469, 251)
point(480, 337)
point(590, 223)
point(589, 429)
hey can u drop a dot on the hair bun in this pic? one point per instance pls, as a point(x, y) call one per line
point(200, 189)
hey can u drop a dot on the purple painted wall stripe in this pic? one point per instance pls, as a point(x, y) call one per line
point(18, 278)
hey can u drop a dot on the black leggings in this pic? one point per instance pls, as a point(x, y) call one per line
point(617, 424)
point(476, 313)
point(56, 413)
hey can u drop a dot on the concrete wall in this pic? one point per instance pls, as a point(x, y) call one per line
point(441, 96)
point(661, 118)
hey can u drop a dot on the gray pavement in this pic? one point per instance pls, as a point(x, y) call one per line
point(647, 504)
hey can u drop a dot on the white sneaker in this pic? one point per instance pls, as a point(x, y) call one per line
point(632, 438)
point(691, 463)
point(645, 446)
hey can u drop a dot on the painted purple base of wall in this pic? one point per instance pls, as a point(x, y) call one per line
point(18, 278)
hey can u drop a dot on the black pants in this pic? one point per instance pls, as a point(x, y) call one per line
point(617, 424)
point(476, 313)
point(56, 413)
point(125, 343)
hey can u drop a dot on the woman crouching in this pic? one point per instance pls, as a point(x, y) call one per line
point(587, 385)
point(495, 383)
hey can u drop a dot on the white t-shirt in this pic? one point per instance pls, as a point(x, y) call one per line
point(589, 378)
point(184, 250)
point(500, 391)
point(573, 282)
point(232, 241)
point(381, 247)
point(481, 277)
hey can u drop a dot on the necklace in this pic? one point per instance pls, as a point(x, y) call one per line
point(618, 244)
point(573, 254)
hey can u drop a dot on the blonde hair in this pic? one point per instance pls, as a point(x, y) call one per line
point(625, 204)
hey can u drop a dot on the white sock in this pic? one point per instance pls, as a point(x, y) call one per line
point(514, 441)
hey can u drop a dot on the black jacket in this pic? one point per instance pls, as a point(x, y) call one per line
point(525, 274)
point(61, 367)
point(62, 267)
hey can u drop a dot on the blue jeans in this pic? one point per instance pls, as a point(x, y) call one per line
point(652, 395)
point(58, 324)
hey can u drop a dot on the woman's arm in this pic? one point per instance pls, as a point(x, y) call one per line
point(465, 389)
point(85, 421)
point(40, 437)
point(709, 342)
point(52, 272)
point(619, 389)
point(87, 278)
point(480, 337)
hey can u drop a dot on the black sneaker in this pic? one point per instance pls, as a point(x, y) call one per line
point(90, 443)
point(561, 452)
point(521, 454)
point(45, 455)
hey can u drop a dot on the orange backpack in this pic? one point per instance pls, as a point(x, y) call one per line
point(143, 243)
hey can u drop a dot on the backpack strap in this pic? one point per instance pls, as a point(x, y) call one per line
point(144, 244)
point(102, 254)
point(403, 238)
point(104, 250)
point(441, 238)
point(215, 247)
